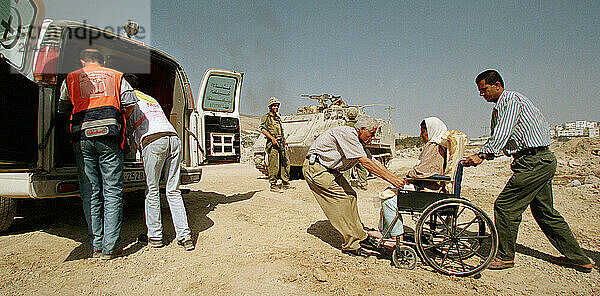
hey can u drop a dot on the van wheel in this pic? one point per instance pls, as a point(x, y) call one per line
point(8, 210)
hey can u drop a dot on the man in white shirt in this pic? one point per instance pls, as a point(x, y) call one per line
point(520, 130)
point(336, 150)
point(160, 148)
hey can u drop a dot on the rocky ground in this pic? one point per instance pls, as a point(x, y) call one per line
point(250, 241)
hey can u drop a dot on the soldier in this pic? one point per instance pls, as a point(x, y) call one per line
point(271, 127)
point(361, 172)
point(351, 116)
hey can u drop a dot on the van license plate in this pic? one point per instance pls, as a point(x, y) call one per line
point(134, 176)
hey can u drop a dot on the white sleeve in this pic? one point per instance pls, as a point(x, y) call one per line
point(64, 103)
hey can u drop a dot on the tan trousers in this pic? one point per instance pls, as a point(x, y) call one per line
point(337, 199)
point(361, 175)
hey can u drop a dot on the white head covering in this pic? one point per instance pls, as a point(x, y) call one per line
point(435, 129)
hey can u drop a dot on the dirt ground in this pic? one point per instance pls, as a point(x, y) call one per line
point(250, 241)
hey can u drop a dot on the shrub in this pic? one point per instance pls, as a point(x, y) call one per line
point(409, 142)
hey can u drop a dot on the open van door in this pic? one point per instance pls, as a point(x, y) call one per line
point(20, 23)
point(215, 123)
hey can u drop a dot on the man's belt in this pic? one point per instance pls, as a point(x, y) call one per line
point(529, 151)
point(147, 140)
point(95, 123)
point(314, 160)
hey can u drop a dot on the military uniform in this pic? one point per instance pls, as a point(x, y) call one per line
point(279, 166)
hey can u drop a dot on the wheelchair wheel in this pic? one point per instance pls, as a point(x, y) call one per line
point(455, 237)
point(404, 257)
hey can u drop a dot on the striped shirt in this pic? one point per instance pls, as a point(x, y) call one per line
point(516, 125)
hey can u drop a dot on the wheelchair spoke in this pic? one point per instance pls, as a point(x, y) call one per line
point(445, 223)
point(460, 213)
point(446, 253)
point(470, 247)
point(439, 232)
point(468, 225)
point(455, 236)
point(478, 237)
point(435, 245)
point(462, 264)
point(481, 256)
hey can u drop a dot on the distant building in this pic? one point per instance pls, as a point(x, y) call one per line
point(594, 131)
point(580, 128)
point(570, 133)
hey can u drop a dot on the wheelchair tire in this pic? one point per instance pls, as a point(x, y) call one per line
point(455, 237)
point(404, 257)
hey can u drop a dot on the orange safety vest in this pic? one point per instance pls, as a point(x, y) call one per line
point(95, 93)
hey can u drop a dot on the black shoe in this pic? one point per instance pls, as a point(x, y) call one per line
point(369, 243)
point(287, 186)
point(155, 243)
point(118, 252)
point(187, 244)
point(142, 238)
point(360, 252)
point(275, 188)
point(96, 253)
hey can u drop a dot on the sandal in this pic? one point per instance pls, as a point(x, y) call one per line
point(388, 243)
point(498, 264)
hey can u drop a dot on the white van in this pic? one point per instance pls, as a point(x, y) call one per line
point(36, 156)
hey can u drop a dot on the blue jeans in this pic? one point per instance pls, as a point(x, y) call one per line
point(389, 208)
point(100, 166)
point(162, 157)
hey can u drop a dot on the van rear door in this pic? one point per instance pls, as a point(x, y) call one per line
point(215, 123)
point(20, 23)
point(19, 101)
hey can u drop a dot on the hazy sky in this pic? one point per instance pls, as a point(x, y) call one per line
point(418, 56)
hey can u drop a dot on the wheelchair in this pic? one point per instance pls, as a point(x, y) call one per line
point(452, 235)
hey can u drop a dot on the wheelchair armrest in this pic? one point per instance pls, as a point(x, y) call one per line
point(440, 177)
point(435, 177)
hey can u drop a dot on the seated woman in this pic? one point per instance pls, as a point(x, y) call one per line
point(432, 161)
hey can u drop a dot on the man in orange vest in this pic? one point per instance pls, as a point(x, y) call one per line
point(96, 96)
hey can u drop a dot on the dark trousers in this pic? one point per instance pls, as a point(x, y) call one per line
point(531, 185)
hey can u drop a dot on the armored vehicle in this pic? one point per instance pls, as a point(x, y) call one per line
point(302, 128)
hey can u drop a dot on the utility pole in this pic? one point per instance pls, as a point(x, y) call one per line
point(387, 107)
point(390, 108)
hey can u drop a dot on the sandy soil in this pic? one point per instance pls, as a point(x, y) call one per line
point(250, 241)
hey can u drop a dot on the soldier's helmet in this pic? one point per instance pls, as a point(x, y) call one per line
point(272, 100)
point(352, 113)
